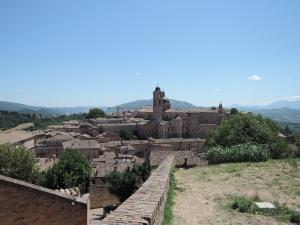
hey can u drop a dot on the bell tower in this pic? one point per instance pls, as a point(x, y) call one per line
point(158, 96)
point(160, 104)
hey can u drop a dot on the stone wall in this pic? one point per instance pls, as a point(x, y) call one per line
point(146, 206)
point(23, 203)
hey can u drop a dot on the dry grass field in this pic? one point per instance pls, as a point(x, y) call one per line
point(205, 192)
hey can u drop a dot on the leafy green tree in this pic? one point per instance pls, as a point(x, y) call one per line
point(72, 170)
point(95, 113)
point(18, 163)
point(126, 183)
point(247, 128)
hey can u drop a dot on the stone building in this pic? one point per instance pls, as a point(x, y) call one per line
point(169, 123)
point(51, 147)
point(89, 148)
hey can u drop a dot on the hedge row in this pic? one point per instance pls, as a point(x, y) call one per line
point(237, 153)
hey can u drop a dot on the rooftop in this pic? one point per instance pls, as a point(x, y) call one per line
point(81, 144)
point(203, 110)
point(14, 137)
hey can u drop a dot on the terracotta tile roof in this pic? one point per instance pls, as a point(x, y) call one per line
point(81, 144)
point(14, 137)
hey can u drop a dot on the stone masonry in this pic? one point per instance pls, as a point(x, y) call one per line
point(146, 206)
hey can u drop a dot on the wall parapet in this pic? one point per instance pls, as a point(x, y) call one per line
point(25, 203)
point(146, 205)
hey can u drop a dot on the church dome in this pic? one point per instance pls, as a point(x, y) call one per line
point(165, 99)
point(157, 88)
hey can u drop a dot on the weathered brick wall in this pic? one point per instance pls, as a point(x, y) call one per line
point(147, 205)
point(22, 203)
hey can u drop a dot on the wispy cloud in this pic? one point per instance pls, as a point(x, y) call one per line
point(255, 78)
point(292, 98)
point(138, 74)
point(217, 90)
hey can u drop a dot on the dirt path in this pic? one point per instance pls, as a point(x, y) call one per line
point(208, 190)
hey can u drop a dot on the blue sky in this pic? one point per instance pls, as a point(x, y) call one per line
point(70, 53)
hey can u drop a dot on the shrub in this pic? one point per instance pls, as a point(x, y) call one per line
point(237, 153)
point(242, 204)
point(295, 217)
point(280, 212)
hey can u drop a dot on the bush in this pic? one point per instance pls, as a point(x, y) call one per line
point(280, 212)
point(237, 153)
point(242, 204)
point(72, 170)
point(295, 217)
point(247, 128)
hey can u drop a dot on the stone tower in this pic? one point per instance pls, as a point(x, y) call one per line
point(160, 104)
point(157, 104)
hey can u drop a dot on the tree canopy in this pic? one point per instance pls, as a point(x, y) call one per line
point(126, 183)
point(18, 163)
point(72, 170)
point(95, 113)
point(248, 128)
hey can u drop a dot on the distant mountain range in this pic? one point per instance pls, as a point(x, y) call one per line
point(274, 105)
point(284, 111)
point(175, 104)
point(46, 111)
point(17, 107)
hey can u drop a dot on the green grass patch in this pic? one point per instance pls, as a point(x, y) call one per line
point(281, 212)
point(293, 162)
point(297, 191)
point(168, 212)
